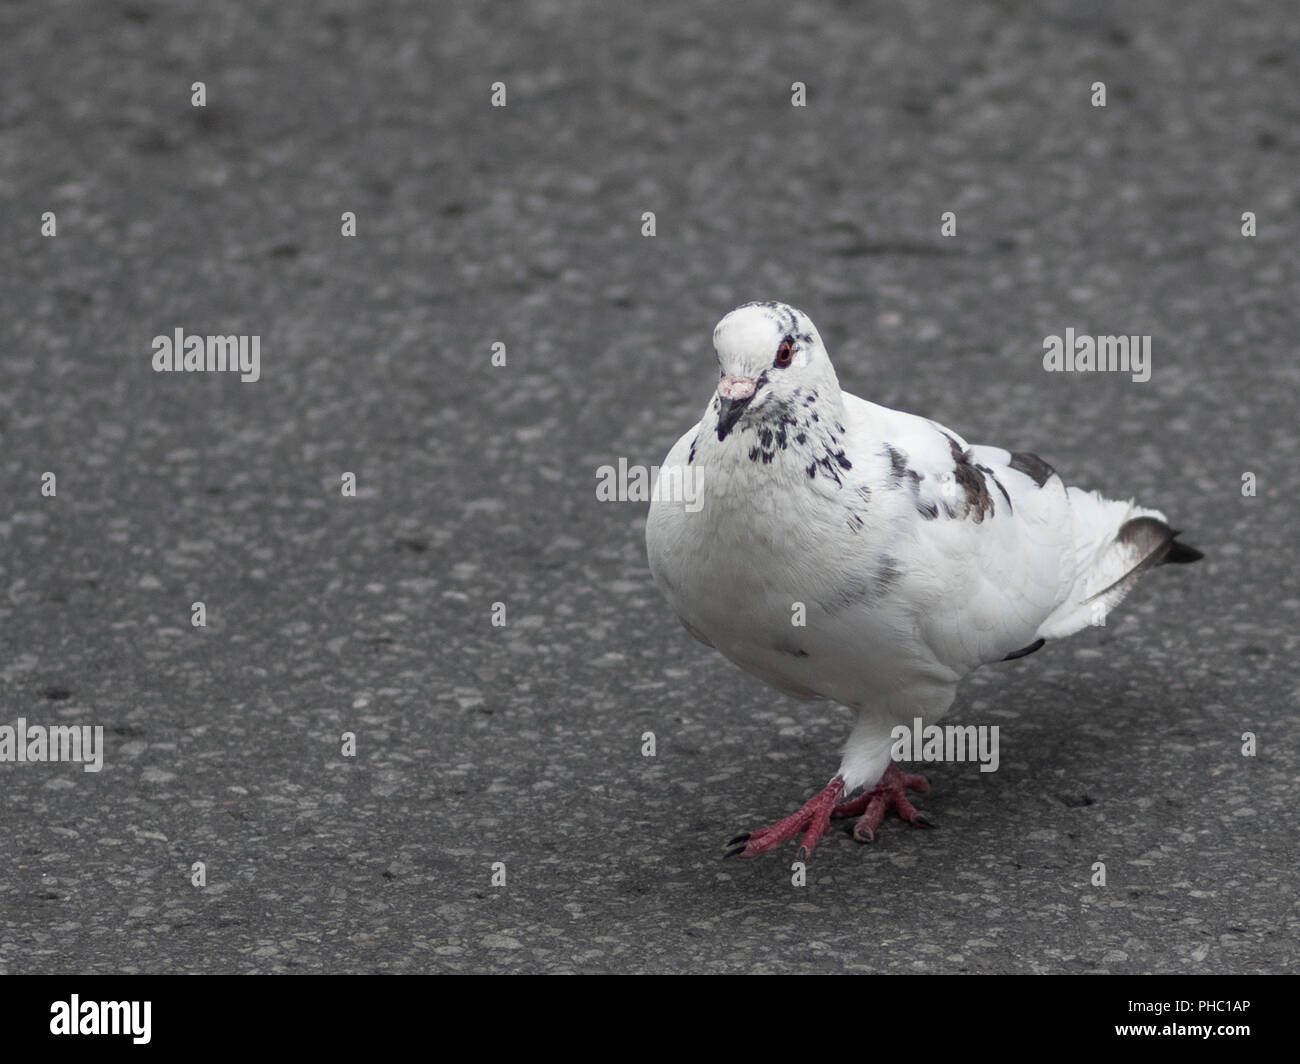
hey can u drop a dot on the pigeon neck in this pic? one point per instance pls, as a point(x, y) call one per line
point(801, 436)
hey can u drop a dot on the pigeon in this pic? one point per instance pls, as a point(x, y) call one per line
point(841, 550)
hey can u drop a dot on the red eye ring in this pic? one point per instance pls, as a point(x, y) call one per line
point(785, 353)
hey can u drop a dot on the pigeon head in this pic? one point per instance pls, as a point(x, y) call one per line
point(772, 360)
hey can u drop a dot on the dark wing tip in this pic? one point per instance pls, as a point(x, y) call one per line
point(1037, 644)
point(1181, 553)
point(1032, 466)
point(1156, 543)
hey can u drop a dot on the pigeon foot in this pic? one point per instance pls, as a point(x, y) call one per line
point(871, 806)
point(812, 819)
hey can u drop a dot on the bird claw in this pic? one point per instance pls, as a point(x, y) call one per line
point(871, 806)
point(811, 818)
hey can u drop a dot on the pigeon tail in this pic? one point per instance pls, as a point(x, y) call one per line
point(1116, 542)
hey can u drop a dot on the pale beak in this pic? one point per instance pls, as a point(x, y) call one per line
point(734, 394)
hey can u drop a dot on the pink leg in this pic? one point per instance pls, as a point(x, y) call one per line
point(813, 819)
point(885, 795)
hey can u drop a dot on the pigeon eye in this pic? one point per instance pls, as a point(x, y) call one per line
point(785, 353)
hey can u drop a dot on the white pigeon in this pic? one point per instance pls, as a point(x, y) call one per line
point(838, 549)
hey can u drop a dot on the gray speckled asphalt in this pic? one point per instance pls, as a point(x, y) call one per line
point(522, 744)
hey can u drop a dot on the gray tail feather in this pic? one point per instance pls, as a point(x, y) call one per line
point(1156, 544)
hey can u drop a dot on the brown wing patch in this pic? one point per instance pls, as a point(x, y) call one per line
point(1032, 466)
point(975, 503)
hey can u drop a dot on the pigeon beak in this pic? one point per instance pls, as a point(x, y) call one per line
point(734, 394)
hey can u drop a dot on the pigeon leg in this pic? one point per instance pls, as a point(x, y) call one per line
point(885, 795)
point(813, 819)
